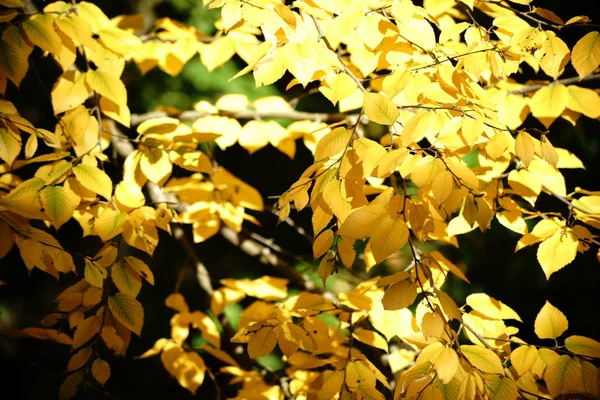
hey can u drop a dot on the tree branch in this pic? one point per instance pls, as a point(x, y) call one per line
point(190, 115)
point(564, 81)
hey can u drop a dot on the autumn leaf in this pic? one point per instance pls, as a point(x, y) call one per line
point(128, 311)
point(550, 322)
point(482, 358)
point(380, 109)
point(583, 345)
point(94, 179)
point(586, 54)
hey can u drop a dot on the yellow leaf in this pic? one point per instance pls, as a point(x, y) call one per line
point(12, 3)
point(79, 359)
point(442, 186)
point(266, 287)
point(491, 307)
point(10, 145)
point(524, 147)
point(501, 388)
point(586, 54)
point(128, 311)
point(69, 91)
point(322, 243)
point(584, 101)
point(358, 372)
point(332, 143)
point(195, 161)
point(337, 87)
point(482, 358)
point(69, 386)
point(40, 31)
point(76, 28)
point(118, 112)
point(262, 342)
point(326, 267)
point(563, 375)
point(396, 82)
point(48, 334)
point(94, 179)
point(399, 295)
point(380, 109)
point(362, 222)
point(419, 32)
point(128, 195)
point(14, 52)
point(549, 101)
point(127, 281)
point(332, 383)
point(556, 55)
point(557, 251)
point(432, 325)
point(109, 223)
point(548, 153)
point(158, 126)
point(523, 358)
point(156, 165)
point(583, 345)
point(107, 85)
point(371, 338)
point(58, 204)
point(94, 273)
point(389, 237)
point(446, 364)
point(100, 371)
point(187, 367)
point(550, 322)
point(85, 330)
point(140, 268)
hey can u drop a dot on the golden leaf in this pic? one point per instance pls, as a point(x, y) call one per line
point(482, 358)
point(371, 338)
point(502, 388)
point(40, 31)
point(14, 52)
point(380, 109)
point(524, 147)
point(262, 342)
point(58, 204)
point(523, 358)
point(563, 375)
point(107, 85)
point(126, 280)
point(85, 330)
point(550, 322)
point(362, 222)
point(100, 371)
point(583, 345)
point(94, 179)
point(128, 311)
point(322, 243)
point(557, 251)
point(446, 364)
point(399, 295)
point(390, 236)
point(187, 367)
point(490, 307)
point(79, 359)
point(586, 54)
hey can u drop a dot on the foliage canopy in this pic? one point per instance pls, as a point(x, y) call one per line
point(435, 134)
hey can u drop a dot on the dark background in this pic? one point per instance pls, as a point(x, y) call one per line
point(31, 368)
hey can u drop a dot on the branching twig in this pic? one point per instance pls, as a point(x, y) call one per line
point(564, 81)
